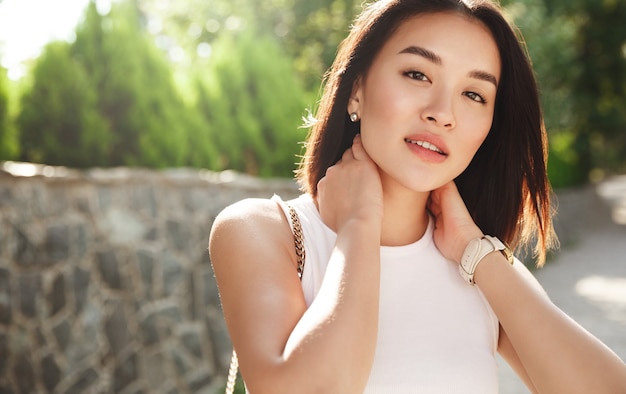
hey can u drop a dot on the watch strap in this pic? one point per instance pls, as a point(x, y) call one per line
point(476, 250)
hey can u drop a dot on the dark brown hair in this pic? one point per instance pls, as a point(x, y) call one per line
point(505, 187)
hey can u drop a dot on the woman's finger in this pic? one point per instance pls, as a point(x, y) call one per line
point(347, 155)
point(358, 151)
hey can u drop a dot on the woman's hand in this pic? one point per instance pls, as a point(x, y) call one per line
point(351, 189)
point(454, 227)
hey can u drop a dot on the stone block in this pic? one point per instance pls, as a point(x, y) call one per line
point(81, 241)
point(218, 336)
point(25, 249)
point(5, 241)
point(83, 382)
point(209, 285)
point(86, 336)
point(122, 226)
point(190, 340)
point(154, 371)
point(83, 205)
point(62, 333)
point(4, 353)
point(5, 296)
point(56, 296)
point(143, 199)
point(29, 290)
point(145, 263)
point(116, 328)
point(159, 323)
point(24, 373)
point(182, 365)
point(149, 330)
point(151, 235)
point(6, 196)
point(109, 269)
point(105, 200)
point(57, 244)
point(172, 273)
point(178, 234)
point(57, 200)
point(125, 373)
point(50, 372)
point(40, 339)
point(199, 381)
point(80, 287)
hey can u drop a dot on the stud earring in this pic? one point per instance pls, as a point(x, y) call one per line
point(354, 117)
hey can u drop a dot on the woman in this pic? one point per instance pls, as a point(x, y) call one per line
point(424, 97)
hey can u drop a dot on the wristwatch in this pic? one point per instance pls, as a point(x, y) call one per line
point(476, 250)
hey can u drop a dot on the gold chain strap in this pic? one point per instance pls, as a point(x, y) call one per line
point(232, 373)
point(298, 240)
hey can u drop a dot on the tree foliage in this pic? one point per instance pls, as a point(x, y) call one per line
point(254, 105)
point(579, 53)
point(553, 53)
point(9, 146)
point(59, 122)
point(106, 99)
point(308, 31)
point(600, 86)
point(136, 92)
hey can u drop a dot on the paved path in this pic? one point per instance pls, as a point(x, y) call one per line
point(587, 278)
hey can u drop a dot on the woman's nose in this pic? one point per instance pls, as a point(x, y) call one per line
point(439, 110)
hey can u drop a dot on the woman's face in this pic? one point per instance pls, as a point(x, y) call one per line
point(427, 102)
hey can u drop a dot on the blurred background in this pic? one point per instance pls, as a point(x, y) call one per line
point(224, 84)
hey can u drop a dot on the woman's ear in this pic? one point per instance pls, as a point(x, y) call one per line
point(354, 103)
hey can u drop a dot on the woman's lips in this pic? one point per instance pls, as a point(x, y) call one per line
point(428, 151)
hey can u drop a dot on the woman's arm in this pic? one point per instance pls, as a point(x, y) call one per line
point(556, 352)
point(558, 355)
point(283, 347)
point(505, 347)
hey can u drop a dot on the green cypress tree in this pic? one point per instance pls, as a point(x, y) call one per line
point(9, 144)
point(59, 121)
point(136, 93)
point(254, 105)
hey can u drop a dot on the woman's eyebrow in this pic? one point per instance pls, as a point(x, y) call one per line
point(423, 52)
point(484, 76)
point(436, 59)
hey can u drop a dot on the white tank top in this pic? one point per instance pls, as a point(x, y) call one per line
point(436, 333)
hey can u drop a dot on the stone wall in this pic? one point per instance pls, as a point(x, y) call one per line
point(105, 281)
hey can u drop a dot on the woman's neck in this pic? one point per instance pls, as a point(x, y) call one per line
point(405, 216)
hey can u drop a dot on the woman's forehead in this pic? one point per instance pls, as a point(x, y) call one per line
point(448, 36)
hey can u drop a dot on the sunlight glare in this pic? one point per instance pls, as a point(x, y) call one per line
point(19, 169)
point(26, 26)
point(603, 289)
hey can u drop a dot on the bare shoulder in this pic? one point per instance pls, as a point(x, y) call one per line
point(251, 230)
point(253, 213)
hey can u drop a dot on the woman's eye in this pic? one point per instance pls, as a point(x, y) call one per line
point(418, 76)
point(476, 97)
